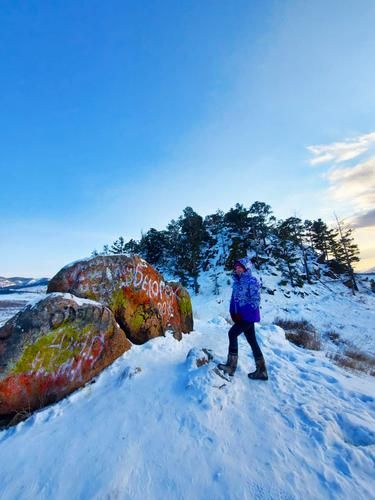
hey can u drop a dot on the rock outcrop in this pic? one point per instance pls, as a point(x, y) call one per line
point(144, 304)
point(53, 347)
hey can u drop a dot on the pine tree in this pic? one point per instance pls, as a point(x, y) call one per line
point(308, 232)
point(118, 246)
point(237, 250)
point(173, 245)
point(286, 250)
point(237, 221)
point(298, 237)
point(189, 256)
point(131, 247)
point(336, 263)
point(348, 250)
point(261, 220)
point(321, 238)
point(153, 245)
point(216, 238)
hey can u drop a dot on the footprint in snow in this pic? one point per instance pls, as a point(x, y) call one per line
point(364, 398)
point(354, 431)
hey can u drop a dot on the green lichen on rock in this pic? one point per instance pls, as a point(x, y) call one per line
point(185, 305)
point(52, 350)
point(137, 320)
point(89, 294)
point(118, 301)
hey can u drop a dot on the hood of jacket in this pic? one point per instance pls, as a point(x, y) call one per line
point(245, 262)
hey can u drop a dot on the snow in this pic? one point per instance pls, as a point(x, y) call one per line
point(24, 295)
point(11, 303)
point(155, 426)
point(328, 307)
point(74, 262)
point(78, 300)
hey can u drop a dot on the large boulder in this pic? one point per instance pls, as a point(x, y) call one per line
point(144, 304)
point(53, 347)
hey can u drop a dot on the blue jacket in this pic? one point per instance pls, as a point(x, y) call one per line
point(245, 300)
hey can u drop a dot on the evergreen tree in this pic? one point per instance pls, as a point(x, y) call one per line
point(173, 246)
point(118, 246)
point(261, 221)
point(189, 256)
point(131, 247)
point(238, 249)
point(348, 250)
point(153, 247)
point(216, 239)
point(287, 250)
point(320, 237)
point(237, 221)
point(308, 232)
point(335, 251)
point(298, 235)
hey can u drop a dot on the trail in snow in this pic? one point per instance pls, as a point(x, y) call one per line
point(153, 426)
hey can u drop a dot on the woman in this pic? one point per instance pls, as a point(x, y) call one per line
point(244, 310)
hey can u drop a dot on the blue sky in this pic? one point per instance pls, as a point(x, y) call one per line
point(116, 115)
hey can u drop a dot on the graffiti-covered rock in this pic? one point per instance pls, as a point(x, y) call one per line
point(53, 347)
point(144, 304)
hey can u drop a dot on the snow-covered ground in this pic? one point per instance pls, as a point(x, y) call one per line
point(154, 426)
point(12, 302)
point(329, 306)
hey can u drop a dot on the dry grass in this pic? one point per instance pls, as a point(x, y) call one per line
point(7, 421)
point(301, 333)
point(334, 337)
point(354, 359)
point(349, 356)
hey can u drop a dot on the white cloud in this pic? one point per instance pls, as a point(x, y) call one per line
point(351, 188)
point(354, 185)
point(339, 152)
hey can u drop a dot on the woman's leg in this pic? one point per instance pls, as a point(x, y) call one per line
point(233, 334)
point(230, 366)
point(251, 338)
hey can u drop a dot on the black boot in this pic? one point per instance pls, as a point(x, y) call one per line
point(231, 364)
point(261, 370)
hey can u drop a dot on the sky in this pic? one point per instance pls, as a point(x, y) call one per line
point(117, 115)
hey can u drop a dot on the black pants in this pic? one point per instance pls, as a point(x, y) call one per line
point(248, 329)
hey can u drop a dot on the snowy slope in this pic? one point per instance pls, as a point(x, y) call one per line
point(152, 426)
point(328, 306)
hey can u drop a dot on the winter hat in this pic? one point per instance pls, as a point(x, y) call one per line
point(245, 263)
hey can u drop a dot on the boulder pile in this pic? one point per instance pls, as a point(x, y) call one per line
point(94, 310)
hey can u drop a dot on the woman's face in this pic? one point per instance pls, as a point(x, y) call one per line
point(239, 270)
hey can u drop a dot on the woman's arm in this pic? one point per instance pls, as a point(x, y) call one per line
point(254, 292)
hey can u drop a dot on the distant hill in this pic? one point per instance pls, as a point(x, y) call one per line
point(368, 272)
point(18, 282)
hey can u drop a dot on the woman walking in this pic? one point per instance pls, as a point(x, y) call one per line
point(244, 310)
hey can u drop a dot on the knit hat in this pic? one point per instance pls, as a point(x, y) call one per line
point(245, 263)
